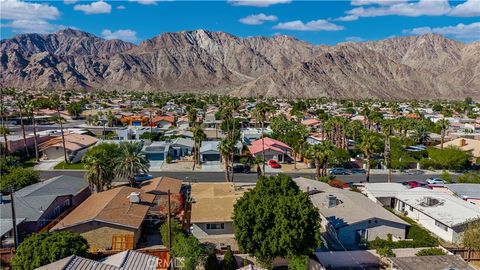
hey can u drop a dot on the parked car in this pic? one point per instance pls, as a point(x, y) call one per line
point(241, 168)
point(415, 184)
point(338, 171)
point(435, 181)
point(358, 171)
point(274, 164)
point(143, 177)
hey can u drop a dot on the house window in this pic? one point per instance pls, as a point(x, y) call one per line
point(215, 226)
point(411, 209)
point(441, 225)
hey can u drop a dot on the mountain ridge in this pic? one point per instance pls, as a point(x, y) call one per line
point(425, 66)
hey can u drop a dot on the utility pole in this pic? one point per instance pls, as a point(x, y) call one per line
point(14, 220)
point(169, 219)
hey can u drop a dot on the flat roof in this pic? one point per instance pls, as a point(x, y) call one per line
point(441, 262)
point(466, 191)
point(449, 210)
point(213, 202)
point(382, 190)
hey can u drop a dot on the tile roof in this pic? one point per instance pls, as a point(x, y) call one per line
point(73, 142)
point(161, 185)
point(112, 206)
point(272, 144)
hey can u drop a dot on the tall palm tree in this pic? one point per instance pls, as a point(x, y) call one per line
point(21, 105)
point(321, 153)
point(59, 119)
point(130, 161)
point(100, 168)
point(387, 131)
point(191, 115)
point(198, 137)
point(30, 108)
point(226, 147)
point(421, 134)
point(369, 145)
point(95, 174)
point(261, 113)
point(443, 124)
point(5, 131)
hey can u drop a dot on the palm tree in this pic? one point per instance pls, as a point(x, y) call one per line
point(369, 145)
point(261, 112)
point(191, 115)
point(226, 147)
point(198, 137)
point(100, 168)
point(421, 134)
point(443, 124)
point(5, 131)
point(21, 105)
point(321, 153)
point(130, 161)
point(257, 161)
point(30, 108)
point(95, 174)
point(59, 119)
point(110, 118)
point(387, 131)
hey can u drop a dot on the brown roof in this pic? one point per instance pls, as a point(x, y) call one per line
point(73, 142)
point(168, 118)
point(161, 185)
point(112, 206)
point(213, 202)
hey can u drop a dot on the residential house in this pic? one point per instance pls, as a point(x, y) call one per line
point(444, 215)
point(439, 262)
point(467, 192)
point(350, 217)
point(6, 231)
point(39, 204)
point(212, 209)
point(75, 144)
point(248, 135)
point(17, 144)
point(163, 121)
point(209, 151)
point(160, 186)
point(133, 132)
point(465, 144)
point(274, 149)
point(110, 219)
point(383, 193)
point(125, 260)
point(176, 149)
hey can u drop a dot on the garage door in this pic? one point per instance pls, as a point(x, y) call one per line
point(211, 157)
point(155, 156)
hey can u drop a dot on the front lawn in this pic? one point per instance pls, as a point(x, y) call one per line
point(69, 166)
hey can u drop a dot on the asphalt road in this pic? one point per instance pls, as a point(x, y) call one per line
point(252, 177)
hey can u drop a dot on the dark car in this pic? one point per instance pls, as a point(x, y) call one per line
point(358, 171)
point(241, 168)
point(338, 171)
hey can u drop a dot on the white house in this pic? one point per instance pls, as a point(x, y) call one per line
point(383, 193)
point(444, 215)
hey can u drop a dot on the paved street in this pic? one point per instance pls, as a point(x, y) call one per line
point(251, 177)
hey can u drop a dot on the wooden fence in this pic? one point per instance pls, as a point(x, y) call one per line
point(466, 254)
point(6, 255)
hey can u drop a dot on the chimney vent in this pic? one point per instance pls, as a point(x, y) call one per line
point(331, 201)
point(134, 197)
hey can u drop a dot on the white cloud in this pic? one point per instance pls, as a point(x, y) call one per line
point(69, 2)
point(318, 25)
point(470, 32)
point(347, 18)
point(19, 10)
point(123, 34)
point(98, 7)
point(354, 39)
point(258, 19)
point(144, 2)
point(258, 3)
point(26, 17)
point(121, 7)
point(470, 8)
point(413, 9)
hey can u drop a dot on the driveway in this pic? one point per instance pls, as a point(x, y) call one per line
point(47, 165)
point(156, 165)
point(178, 166)
point(212, 167)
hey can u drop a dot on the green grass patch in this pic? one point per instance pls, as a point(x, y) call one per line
point(70, 166)
point(29, 163)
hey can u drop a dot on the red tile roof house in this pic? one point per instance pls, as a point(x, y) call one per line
point(163, 121)
point(274, 149)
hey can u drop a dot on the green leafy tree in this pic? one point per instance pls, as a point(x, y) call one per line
point(176, 230)
point(75, 109)
point(470, 177)
point(321, 153)
point(450, 158)
point(298, 263)
point(18, 178)
point(385, 252)
point(370, 143)
point(276, 219)
point(130, 161)
point(471, 237)
point(44, 248)
point(211, 262)
point(447, 177)
point(431, 252)
point(188, 248)
point(229, 262)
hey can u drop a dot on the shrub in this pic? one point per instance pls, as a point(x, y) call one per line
point(472, 178)
point(211, 262)
point(431, 252)
point(385, 252)
point(18, 178)
point(298, 263)
point(336, 183)
point(229, 262)
point(169, 159)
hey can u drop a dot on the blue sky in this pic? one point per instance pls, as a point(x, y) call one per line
point(318, 22)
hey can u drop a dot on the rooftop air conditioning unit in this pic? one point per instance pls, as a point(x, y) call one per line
point(134, 197)
point(331, 201)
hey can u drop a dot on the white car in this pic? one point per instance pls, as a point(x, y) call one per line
point(435, 181)
point(143, 177)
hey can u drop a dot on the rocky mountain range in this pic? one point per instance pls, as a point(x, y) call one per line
point(421, 67)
